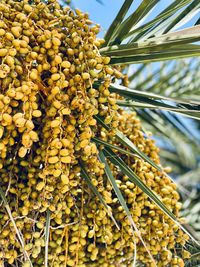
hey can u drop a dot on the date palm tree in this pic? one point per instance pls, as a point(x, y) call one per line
point(162, 94)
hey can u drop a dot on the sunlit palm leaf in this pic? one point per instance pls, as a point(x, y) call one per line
point(156, 44)
point(184, 16)
point(150, 100)
point(180, 80)
point(129, 43)
point(143, 9)
point(117, 21)
point(160, 19)
point(158, 25)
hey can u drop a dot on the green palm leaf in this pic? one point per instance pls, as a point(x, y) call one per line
point(150, 42)
point(117, 21)
point(157, 26)
point(101, 142)
point(143, 9)
point(151, 100)
point(127, 143)
point(178, 80)
point(184, 16)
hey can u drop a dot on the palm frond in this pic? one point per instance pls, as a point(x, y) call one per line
point(150, 100)
point(117, 21)
point(144, 8)
point(184, 16)
point(153, 40)
point(176, 80)
point(125, 141)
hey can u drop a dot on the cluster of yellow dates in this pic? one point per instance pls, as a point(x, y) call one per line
point(49, 61)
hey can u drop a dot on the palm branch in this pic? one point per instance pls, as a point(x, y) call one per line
point(179, 134)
